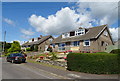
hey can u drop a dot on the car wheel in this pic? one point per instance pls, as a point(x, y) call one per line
point(24, 61)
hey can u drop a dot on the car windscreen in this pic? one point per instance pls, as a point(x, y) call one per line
point(17, 54)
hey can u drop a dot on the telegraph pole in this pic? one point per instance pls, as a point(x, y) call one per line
point(4, 41)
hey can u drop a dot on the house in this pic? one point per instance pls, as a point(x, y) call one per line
point(94, 39)
point(41, 42)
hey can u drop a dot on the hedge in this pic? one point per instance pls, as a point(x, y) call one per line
point(96, 63)
point(115, 51)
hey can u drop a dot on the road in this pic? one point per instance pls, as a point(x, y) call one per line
point(36, 71)
point(22, 71)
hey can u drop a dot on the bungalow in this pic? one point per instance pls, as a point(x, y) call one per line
point(42, 42)
point(94, 39)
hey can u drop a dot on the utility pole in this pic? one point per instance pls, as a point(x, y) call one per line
point(4, 41)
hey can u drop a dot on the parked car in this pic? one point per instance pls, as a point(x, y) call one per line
point(16, 57)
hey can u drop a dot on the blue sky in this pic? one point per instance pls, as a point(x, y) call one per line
point(24, 20)
point(19, 12)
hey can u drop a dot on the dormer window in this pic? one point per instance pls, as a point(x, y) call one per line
point(65, 35)
point(80, 32)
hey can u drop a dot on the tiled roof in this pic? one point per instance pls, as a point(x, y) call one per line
point(93, 32)
point(39, 41)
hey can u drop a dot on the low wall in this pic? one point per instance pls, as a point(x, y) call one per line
point(56, 63)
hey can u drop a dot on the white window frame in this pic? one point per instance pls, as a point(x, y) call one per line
point(78, 43)
point(80, 31)
point(87, 41)
point(63, 35)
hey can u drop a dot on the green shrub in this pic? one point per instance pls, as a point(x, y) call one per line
point(28, 49)
point(54, 56)
point(15, 47)
point(36, 48)
point(115, 51)
point(96, 63)
point(11, 53)
point(49, 49)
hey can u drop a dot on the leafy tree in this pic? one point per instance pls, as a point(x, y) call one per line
point(32, 48)
point(36, 48)
point(15, 47)
point(7, 46)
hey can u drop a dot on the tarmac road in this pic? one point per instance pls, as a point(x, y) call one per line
point(37, 71)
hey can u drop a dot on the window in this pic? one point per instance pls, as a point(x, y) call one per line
point(67, 43)
point(80, 32)
point(61, 45)
point(76, 43)
point(50, 40)
point(86, 42)
point(72, 33)
point(105, 33)
point(106, 44)
point(53, 45)
point(61, 48)
point(65, 35)
point(102, 43)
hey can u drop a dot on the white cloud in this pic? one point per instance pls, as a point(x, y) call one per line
point(86, 14)
point(27, 32)
point(64, 20)
point(9, 21)
point(115, 33)
point(103, 12)
point(25, 37)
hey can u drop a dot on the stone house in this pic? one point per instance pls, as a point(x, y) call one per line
point(94, 39)
point(43, 42)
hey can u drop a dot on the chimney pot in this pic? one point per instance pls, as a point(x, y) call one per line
point(40, 36)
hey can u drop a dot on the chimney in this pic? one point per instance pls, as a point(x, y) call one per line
point(40, 36)
point(80, 27)
point(32, 39)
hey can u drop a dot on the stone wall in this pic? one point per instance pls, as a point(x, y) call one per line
point(56, 63)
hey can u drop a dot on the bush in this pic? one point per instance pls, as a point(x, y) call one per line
point(28, 49)
point(97, 63)
point(15, 47)
point(10, 53)
point(115, 51)
point(54, 56)
point(36, 48)
point(49, 49)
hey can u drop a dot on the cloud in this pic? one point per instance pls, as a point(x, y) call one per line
point(103, 12)
point(64, 20)
point(25, 37)
point(9, 21)
point(115, 33)
point(83, 14)
point(27, 32)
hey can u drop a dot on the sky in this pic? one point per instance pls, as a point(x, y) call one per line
point(25, 20)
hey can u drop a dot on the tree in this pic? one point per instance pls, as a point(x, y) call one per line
point(7, 46)
point(15, 47)
point(36, 48)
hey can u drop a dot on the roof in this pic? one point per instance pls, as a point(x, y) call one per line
point(43, 38)
point(92, 33)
